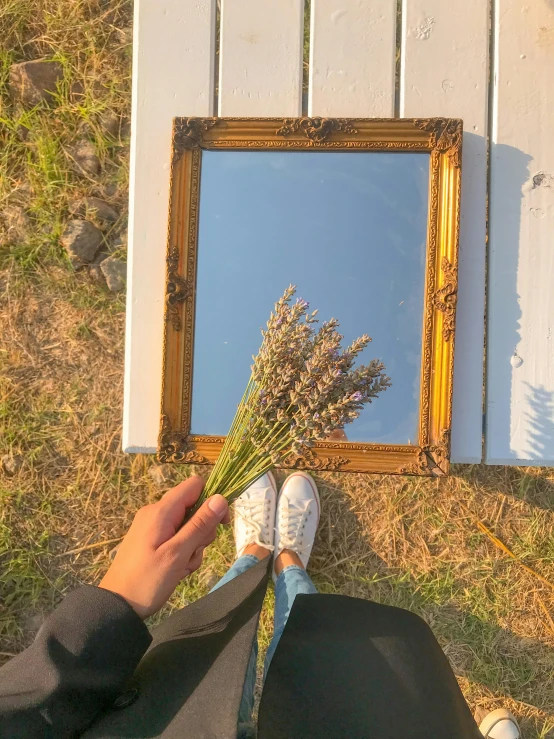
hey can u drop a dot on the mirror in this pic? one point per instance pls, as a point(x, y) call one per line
point(349, 230)
point(362, 215)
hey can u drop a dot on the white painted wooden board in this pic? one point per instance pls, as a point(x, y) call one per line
point(520, 366)
point(444, 72)
point(352, 58)
point(173, 74)
point(260, 71)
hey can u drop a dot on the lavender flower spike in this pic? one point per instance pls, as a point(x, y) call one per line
point(302, 387)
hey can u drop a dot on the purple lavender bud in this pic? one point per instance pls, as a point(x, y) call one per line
point(356, 397)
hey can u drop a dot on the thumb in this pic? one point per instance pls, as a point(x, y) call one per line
point(201, 528)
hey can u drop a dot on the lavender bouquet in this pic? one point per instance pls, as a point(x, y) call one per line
point(303, 387)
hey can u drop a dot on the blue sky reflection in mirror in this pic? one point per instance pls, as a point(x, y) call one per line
point(350, 230)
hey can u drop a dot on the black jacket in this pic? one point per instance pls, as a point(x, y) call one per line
point(344, 669)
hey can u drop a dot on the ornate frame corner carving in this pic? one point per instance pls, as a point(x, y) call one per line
point(432, 460)
point(446, 136)
point(188, 134)
point(441, 138)
point(439, 454)
point(419, 466)
point(173, 446)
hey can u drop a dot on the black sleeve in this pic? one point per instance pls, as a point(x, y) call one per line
point(80, 659)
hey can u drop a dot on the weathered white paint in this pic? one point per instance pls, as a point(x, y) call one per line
point(173, 67)
point(520, 366)
point(260, 71)
point(352, 58)
point(444, 72)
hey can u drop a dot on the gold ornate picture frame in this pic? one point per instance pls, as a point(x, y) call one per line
point(442, 139)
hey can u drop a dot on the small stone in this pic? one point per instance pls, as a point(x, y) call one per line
point(81, 239)
point(34, 81)
point(110, 123)
point(96, 274)
point(110, 189)
point(11, 464)
point(17, 223)
point(84, 159)
point(115, 272)
point(96, 210)
point(121, 229)
point(160, 473)
point(119, 243)
point(95, 271)
point(125, 130)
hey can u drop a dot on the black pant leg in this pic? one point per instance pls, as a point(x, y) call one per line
point(352, 669)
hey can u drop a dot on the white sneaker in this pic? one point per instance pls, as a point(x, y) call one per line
point(499, 724)
point(298, 510)
point(255, 514)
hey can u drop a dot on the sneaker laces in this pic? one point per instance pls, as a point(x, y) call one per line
point(251, 512)
point(291, 530)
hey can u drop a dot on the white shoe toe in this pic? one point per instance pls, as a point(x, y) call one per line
point(298, 511)
point(499, 724)
point(254, 514)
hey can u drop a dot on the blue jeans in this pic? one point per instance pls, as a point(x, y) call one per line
point(291, 582)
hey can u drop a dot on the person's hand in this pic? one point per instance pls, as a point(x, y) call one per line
point(156, 554)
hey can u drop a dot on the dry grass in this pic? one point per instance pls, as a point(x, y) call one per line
point(412, 543)
point(404, 541)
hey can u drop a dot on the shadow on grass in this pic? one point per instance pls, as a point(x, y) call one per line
point(497, 663)
point(529, 484)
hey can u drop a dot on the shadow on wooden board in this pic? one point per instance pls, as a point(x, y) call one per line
point(540, 402)
point(510, 167)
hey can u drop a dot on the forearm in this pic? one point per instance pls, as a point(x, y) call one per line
point(81, 657)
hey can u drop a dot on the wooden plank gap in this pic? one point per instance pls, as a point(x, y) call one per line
point(520, 333)
point(217, 54)
point(445, 72)
point(490, 136)
point(306, 54)
point(398, 58)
